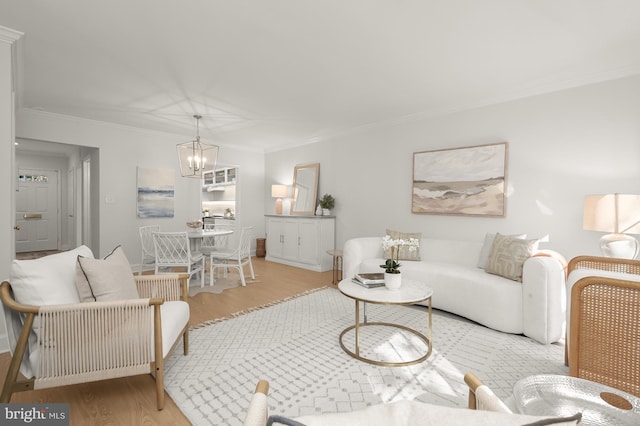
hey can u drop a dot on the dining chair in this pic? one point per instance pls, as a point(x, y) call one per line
point(234, 257)
point(211, 243)
point(172, 250)
point(148, 258)
point(217, 242)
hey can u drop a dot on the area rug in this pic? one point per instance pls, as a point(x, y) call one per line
point(294, 345)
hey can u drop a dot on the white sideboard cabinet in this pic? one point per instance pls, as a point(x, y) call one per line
point(301, 241)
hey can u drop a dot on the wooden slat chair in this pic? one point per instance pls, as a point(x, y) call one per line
point(605, 332)
point(62, 344)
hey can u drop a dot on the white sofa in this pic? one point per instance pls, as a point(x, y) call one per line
point(534, 307)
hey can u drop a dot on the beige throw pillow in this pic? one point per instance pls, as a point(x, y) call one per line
point(405, 252)
point(508, 255)
point(110, 278)
point(488, 244)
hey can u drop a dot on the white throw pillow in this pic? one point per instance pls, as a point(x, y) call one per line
point(486, 247)
point(105, 279)
point(49, 280)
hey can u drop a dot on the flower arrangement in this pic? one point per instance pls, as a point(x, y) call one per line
point(391, 266)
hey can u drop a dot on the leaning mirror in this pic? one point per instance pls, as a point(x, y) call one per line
point(305, 189)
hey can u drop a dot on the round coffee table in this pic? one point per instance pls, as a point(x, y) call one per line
point(410, 293)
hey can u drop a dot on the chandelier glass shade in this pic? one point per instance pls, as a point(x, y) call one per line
point(195, 157)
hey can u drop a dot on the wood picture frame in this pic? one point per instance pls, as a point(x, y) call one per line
point(469, 181)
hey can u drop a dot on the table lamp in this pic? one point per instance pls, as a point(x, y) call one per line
point(279, 192)
point(618, 214)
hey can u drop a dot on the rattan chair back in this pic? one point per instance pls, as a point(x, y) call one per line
point(604, 332)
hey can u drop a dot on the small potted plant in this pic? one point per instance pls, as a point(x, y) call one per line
point(327, 202)
point(392, 277)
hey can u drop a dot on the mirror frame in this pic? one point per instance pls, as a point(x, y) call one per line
point(313, 191)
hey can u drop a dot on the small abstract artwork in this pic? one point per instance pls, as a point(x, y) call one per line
point(156, 188)
point(461, 181)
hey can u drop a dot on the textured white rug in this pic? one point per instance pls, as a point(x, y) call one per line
point(294, 345)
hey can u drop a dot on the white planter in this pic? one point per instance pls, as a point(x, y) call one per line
point(392, 281)
point(326, 212)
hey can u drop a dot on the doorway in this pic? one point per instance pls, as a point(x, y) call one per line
point(37, 210)
point(67, 162)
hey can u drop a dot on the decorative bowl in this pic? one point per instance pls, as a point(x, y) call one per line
point(195, 224)
point(556, 395)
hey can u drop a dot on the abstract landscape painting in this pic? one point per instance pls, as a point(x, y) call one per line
point(460, 181)
point(156, 192)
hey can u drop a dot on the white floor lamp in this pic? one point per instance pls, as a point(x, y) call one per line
point(618, 214)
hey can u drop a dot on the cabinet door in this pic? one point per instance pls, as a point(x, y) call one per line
point(309, 241)
point(275, 237)
point(291, 241)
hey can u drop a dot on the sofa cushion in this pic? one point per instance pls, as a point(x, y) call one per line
point(48, 280)
point(405, 252)
point(105, 279)
point(508, 254)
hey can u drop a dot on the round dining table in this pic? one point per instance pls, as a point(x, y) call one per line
point(196, 236)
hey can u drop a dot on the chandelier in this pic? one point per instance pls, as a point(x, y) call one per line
point(197, 158)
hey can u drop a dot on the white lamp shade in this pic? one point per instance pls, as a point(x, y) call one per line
point(197, 158)
point(615, 213)
point(279, 191)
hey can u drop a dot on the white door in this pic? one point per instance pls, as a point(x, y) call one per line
point(37, 210)
point(71, 208)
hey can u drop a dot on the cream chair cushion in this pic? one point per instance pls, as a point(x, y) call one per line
point(48, 280)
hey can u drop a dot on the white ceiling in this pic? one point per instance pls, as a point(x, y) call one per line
point(267, 74)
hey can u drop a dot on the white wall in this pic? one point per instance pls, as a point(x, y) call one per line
point(562, 146)
point(121, 151)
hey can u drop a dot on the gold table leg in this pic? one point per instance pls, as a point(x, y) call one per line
point(426, 339)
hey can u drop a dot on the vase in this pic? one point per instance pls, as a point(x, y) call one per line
point(319, 211)
point(326, 212)
point(392, 281)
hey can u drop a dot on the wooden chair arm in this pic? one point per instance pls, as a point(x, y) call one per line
point(612, 264)
point(473, 383)
point(7, 299)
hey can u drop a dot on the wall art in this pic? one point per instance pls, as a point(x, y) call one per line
point(156, 188)
point(461, 181)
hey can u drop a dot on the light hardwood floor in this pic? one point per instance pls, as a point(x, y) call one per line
point(131, 400)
